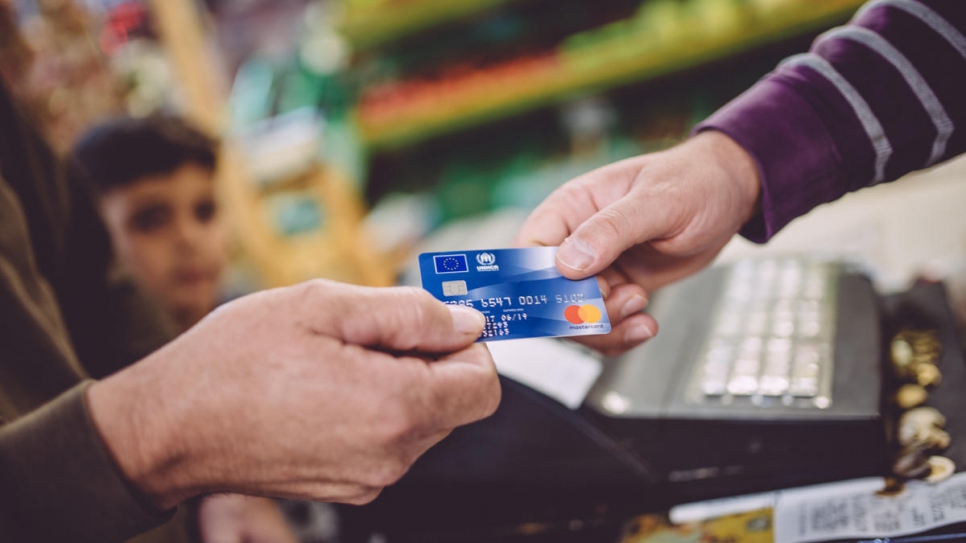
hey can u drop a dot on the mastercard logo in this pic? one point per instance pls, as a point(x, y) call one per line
point(582, 314)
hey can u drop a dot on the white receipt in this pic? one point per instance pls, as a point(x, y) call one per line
point(854, 510)
point(556, 369)
point(844, 510)
point(733, 505)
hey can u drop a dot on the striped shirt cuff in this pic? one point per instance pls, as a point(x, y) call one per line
point(796, 155)
point(872, 101)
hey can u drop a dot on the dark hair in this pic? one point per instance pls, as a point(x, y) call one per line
point(123, 150)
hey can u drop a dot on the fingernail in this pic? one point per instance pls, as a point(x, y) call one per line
point(641, 333)
point(634, 305)
point(466, 320)
point(576, 254)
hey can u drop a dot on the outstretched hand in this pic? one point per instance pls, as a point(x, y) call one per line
point(645, 222)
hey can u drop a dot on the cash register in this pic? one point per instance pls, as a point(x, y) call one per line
point(766, 374)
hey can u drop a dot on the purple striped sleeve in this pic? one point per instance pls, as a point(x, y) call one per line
point(872, 101)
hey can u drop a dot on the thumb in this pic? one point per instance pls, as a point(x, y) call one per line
point(599, 240)
point(399, 319)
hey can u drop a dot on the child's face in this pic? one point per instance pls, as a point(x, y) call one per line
point(166, 230)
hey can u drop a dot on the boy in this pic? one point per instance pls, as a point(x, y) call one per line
point(156, 179)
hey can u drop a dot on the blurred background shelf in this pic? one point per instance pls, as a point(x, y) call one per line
point(650, 45)
point(416, 115)
point(370, 23)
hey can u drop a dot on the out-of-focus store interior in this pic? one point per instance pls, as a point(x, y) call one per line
point(356, 131)
point(357, 134)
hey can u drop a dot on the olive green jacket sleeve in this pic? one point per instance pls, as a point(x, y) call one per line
point(59, 483)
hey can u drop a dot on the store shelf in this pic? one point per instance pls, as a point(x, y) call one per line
point(426, 110)
point(383, 22)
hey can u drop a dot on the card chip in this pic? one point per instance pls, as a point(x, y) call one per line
point(454, 288)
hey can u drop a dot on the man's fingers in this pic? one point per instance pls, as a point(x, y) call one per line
point(624, 304)
point(625, 300)
point(596, 244)
point(550, 223)
point(351, 493)
point(662, 269)
point(573, 203)
point(611, 278)
point(463, 387)
point(630, 333)
point(397, 319)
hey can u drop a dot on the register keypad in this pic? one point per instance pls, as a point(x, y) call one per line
point(771, 337)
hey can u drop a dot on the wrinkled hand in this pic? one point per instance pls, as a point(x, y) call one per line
point(645, 222)
point(233, 518)
point(320, 391)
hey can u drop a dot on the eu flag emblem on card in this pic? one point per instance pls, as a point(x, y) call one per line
point(519, 291)
point(451, 263)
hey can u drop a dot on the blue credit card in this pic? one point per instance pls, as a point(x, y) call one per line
point(519, 290)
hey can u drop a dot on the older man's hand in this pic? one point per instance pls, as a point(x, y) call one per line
point(320, 391)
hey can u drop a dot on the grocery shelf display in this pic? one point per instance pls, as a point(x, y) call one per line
point(663, 37)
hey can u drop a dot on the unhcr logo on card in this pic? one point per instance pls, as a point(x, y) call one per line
point(487, 262)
